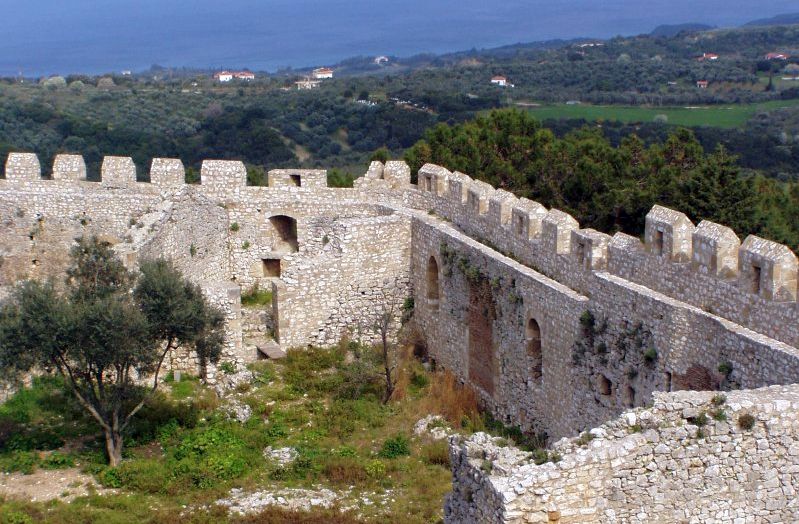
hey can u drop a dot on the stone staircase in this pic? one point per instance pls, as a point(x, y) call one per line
point(258, 326)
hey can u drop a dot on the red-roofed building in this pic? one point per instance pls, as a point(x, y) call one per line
point(702, 84)
point(322, 72)
point(500, 81)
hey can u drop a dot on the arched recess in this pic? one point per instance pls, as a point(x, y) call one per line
point(286, 229)
point(533, 338)
point(433, 291)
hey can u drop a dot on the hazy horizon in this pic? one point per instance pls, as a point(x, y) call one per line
point(43, 37)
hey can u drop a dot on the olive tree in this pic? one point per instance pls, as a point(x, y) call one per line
point(107, 332)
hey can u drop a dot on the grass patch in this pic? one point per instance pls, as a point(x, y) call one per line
point(726, 116)
point(256, 297)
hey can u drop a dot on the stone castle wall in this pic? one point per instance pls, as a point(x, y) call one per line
point(558, 328)
point(692, 457)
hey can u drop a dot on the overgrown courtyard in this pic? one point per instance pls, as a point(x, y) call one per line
point(320, 446)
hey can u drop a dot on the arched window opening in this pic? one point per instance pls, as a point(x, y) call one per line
point(286, 229)
point(432, 281)
point(533, 336)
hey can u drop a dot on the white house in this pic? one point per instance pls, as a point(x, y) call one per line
point(223, 76)
point(322, 73)
point(500, 81)
point(380, 60)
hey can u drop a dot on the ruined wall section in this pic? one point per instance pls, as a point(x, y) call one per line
point(663, 464)
point(353, 270)
point(458, 281)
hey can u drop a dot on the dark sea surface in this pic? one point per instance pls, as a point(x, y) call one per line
point(41, 37)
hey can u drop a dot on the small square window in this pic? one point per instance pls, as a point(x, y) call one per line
point(271, 267)
point(296, 180)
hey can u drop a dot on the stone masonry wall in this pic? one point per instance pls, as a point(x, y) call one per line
point(692, 457)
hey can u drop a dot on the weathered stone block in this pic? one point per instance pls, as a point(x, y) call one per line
point(715, 249)
point(167, 172)
point(434, 179)
point(556, 230)
point(500, 204)
point(23, 166)
point(307, 178)
point(459, 184)
point(118, 171)
point(527, 216)
point(477, 197)
point(768, 269)
point(397, 173)
point(69, 167)
point(669, 234)
point(223, 174)
point(590, 248)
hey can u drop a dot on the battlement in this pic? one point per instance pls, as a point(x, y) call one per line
point(756, 266)
point(121, 173)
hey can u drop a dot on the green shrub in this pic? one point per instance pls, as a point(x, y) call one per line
point(147, 475)
point(540, 456)
point(719, 415)
point(376, 469)
point(650, 355)
point(394, 447)
point(109, 477)
point(228, 368)
point(22, 461)
point(718, 400)
point(419, 380)
point(56, 460)
point(234, 226)
point(14, 517)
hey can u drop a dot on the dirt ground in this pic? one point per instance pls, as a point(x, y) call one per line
point(44, 485)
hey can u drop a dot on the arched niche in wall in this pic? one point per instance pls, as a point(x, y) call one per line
point(533, 343)
point(286, 234)
point(433, 291)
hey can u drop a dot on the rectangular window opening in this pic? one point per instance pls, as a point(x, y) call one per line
point(756, 276)
point(296, 180)
point(271, 267)
point(658, 242)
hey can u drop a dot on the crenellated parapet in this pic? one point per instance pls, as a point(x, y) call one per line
point(668, 234)
point(69, 167)
point(590, 248)
point(715, 250)
point(556, 231)
point(767, 269)
point(23, 166)
point(529, 230)
point(167, 172)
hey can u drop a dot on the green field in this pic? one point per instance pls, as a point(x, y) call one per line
point(716, 116)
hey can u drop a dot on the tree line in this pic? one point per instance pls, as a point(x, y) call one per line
point(612, 188)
